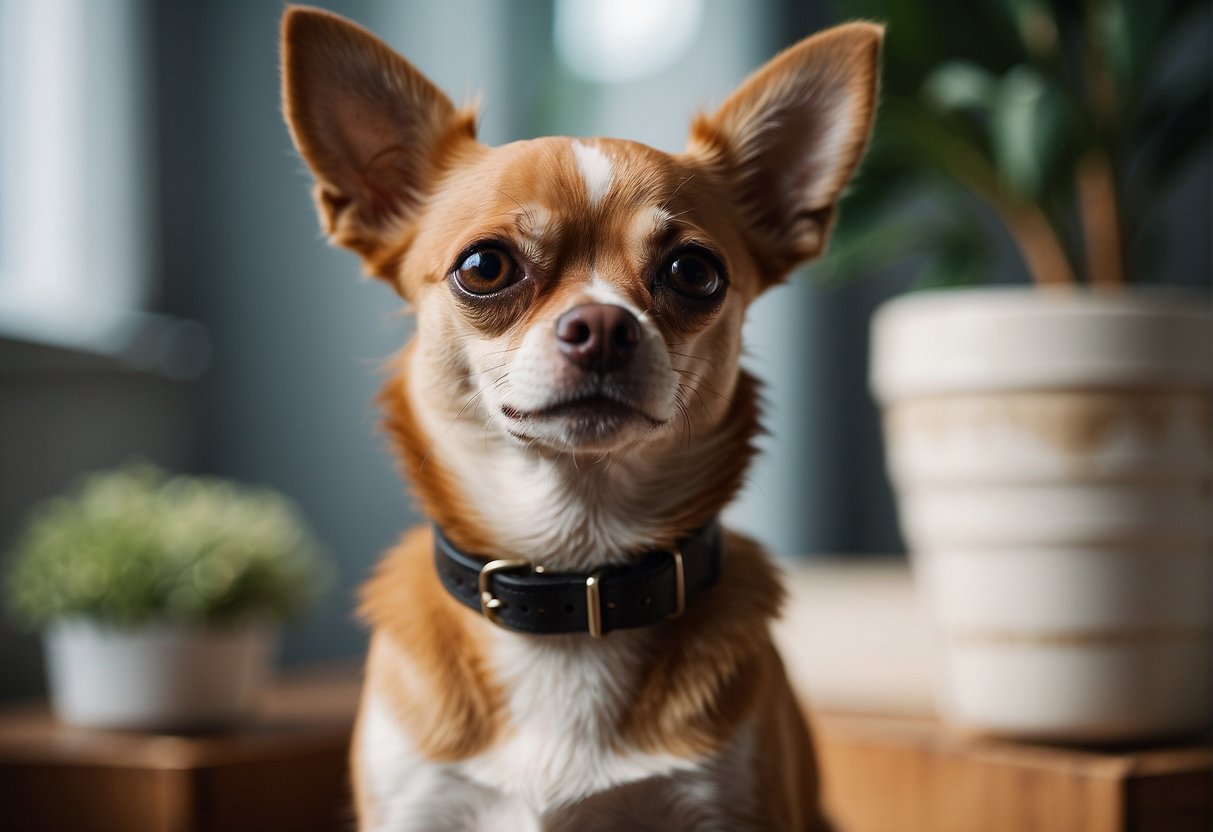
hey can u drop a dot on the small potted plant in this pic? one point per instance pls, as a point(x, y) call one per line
point(1049, 443)
point(160, 596)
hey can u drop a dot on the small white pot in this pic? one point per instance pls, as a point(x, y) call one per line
point(160, 676)
point(1052, 455)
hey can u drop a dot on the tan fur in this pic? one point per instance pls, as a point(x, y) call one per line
point(402, 181)
point(439, 497)
point(417, 621)
point(704, 678)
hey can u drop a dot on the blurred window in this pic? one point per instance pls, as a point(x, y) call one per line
point(613, 41)
point(73, 167)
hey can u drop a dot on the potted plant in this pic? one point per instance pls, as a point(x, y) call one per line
point(159, 596)
point(1050, 446)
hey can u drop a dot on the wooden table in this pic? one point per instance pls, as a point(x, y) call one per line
point(856, 640)
point(288, 772)
point(898, 774)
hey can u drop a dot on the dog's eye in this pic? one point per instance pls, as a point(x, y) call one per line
point(485, 271)
point(694, 275)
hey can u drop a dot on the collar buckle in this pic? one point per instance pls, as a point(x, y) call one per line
point(593, 595)
point(489, 603)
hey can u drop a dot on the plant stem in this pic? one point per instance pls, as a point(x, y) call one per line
point(1037, 241)
point(1097, 209)
point(1027, 223)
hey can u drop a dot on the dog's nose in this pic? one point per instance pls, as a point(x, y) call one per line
point(598, 336)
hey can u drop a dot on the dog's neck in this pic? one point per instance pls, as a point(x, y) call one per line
point(571, 513)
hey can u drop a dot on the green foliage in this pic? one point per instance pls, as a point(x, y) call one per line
point(134, 544)
point(1022, 105)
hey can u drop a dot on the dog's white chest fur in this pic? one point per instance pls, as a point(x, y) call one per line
point(560, 766)
point(565, 700)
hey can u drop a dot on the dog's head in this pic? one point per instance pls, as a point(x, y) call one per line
point(586, 293)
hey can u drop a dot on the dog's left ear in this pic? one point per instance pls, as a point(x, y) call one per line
point(791, 137)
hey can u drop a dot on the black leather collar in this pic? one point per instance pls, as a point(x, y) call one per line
point(636, 594)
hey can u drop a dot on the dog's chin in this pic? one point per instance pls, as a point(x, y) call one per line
point(587, 424)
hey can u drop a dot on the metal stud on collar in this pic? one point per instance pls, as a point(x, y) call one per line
point(593, 604)
point(680, 584)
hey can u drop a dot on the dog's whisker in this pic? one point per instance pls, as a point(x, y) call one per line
point(501, 352)
point(525, 211)
point(704, 383)
point(695, 390)
point(688, 355)
point(489, 370)
point(680, 406)
point(677, 218)
point(453, 421)
point(467, 378)
point(676, 190)
point(686, 416)
point(449, 428)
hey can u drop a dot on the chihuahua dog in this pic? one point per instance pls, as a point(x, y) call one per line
point(575, 644)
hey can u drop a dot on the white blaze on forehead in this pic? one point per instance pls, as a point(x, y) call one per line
point(595, 169)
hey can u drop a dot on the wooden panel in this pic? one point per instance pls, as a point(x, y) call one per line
point(1169, 803)
point(303, 792)
point(285, 770)
point(887, 774)
point(56, 798)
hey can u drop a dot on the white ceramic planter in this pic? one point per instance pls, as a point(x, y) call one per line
point(158, 677)
point(1052, 455)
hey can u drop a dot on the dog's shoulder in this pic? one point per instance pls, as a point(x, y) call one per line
point(714, 663)
point(425, 659)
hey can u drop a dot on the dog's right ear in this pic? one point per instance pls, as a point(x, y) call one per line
point(373, 130)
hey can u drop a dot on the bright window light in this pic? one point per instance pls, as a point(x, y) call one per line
point(74, 200)
point(612, 41)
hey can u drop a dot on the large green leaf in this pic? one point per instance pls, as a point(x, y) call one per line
point(929, 221)
point(1035, 25)
point(1029, 129)
point(961, 85)
point(1005, 97)
point(921, 35)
